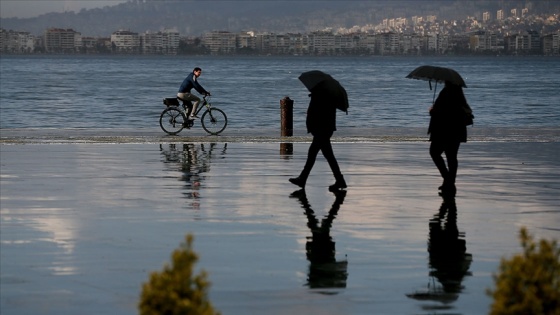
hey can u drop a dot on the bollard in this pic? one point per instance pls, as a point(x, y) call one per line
point(286, 117)
point(286, 124)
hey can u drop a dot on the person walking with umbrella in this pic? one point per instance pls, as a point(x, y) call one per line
point(447, 130)
point(321, 123)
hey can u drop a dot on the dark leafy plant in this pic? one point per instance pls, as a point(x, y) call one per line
point(528, 283)
point(176, 289)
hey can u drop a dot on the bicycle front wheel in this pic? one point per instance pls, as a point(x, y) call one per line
point(214, 121)
point(172, 120)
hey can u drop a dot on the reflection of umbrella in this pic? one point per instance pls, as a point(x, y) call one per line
point(326, 84)
point(434, 293)
point(437, 74)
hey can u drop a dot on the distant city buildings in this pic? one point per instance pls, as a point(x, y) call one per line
point(396, 36)
point(58, 40)
point(16, 42)
point(500, 15)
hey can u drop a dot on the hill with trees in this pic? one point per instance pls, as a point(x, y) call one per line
point(195, 17)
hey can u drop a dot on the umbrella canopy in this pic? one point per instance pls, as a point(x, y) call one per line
point(437, 74)
point(327, 85)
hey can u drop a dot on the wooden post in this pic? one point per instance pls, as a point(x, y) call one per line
point(286, 124)
point(286, 117)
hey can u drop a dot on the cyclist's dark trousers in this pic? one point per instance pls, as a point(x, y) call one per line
point(321, 142)
point(450, 149)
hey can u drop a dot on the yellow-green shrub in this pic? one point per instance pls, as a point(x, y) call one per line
point(176, 290)
point(528, 283)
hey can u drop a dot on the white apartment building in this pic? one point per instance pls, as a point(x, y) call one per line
point(152, 43)
point(170, 41)
point(321, 42)
point(387, 43)
point(220, 42)
point(246, 40)
point(523, 42)
point(500, 15)
point(345, 43)
point(57, 40)
point(411, 43)
point(125, 41)
point(484, 41)
point(16, 42)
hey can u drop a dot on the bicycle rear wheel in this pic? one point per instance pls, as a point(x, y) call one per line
point(172, 120)
point(214, 121)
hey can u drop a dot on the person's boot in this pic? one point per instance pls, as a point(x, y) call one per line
point(339, 184)
point(298, 181)
point(448, 188)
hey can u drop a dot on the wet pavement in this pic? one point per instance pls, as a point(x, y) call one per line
point(83, 224)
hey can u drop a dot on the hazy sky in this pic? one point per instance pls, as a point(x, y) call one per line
point(32, 8)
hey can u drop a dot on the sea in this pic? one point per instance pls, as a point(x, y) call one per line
point(126, 92)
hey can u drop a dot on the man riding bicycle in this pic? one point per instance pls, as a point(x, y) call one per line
point(188, 84)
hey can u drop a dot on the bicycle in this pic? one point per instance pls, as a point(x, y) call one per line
point(174, 118)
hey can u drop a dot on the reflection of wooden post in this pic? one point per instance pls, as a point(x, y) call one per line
point(286, 148)
point(286, 123)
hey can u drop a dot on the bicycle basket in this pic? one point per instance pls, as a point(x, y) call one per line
point(171, 101)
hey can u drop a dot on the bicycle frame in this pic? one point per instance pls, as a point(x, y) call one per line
point(213, 120)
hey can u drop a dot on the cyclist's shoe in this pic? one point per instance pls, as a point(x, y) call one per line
point(193, 117)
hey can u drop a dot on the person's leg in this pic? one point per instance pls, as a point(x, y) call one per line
point(196, 100)
point(451, 152)
point(314, 149)
point(324, 144)
point(328, 153)
point(436, 150)
point(183, 98)
point(311, 157)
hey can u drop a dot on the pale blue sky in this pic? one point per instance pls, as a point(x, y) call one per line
point(32, 8)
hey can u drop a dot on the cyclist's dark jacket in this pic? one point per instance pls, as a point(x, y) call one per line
point(189, 83)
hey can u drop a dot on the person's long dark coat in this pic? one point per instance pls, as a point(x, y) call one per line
point(321, 114)
point(447, 116)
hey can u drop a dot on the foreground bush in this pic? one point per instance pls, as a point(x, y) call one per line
point(529, 283)
point(176, 290)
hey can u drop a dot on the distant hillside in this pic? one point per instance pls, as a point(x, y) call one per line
point(194, 18)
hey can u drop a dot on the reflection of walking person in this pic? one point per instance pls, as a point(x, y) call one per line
point(321, 123)
point(447, 247)
point(447, 130)
point(324, 270)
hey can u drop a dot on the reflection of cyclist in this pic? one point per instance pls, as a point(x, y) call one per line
point(189, 83)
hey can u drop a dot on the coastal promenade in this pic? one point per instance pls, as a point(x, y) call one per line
point(86, 215)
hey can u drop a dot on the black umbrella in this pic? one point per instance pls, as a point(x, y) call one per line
point(437, 74)
point(326, 84)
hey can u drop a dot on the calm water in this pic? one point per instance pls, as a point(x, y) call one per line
point(126, 92)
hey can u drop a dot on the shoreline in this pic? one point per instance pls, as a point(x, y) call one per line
point(248, 135)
